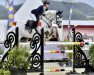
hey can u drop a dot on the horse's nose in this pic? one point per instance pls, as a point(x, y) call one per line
point(59, 26)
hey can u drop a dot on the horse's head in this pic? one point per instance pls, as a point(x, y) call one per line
point(59, 18)
point(52, 16)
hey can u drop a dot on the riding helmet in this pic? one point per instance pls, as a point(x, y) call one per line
point(46, 2)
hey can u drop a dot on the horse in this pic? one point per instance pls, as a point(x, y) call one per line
point(51, 18)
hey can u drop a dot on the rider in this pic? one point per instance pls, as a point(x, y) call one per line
point(35, 13)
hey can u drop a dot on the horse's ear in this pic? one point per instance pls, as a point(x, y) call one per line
point(59, 12)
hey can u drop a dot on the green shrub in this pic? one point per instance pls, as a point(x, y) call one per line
point(1, 72)
point(4, 72)
point(7, 72)
point(69, 48)
point(1, 51)
point(91, 55)
point(18, 58)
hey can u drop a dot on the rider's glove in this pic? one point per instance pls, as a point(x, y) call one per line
point(43, 14)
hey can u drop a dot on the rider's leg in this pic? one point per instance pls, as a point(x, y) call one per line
point(36, 23)
point(27, 25)
point(33, 17)
point(33, 22)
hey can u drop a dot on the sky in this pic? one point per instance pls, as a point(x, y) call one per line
point(16, 2)
point(90, 2)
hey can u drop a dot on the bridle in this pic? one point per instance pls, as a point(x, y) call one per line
point(49, 20)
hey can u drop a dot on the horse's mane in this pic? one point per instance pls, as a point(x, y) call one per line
point(50, 13)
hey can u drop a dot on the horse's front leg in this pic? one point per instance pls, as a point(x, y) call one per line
point(51, 32)
point(46, 34)
point(60, 34)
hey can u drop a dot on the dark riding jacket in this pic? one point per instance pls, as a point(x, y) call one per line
point(37, 12)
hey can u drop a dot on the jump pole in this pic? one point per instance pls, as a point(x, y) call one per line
point(56, 51)
point(69, 43)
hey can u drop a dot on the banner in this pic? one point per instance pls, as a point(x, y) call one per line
point(10, 16)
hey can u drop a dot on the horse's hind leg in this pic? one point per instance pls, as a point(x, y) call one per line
point(19, 37)
point(27, 25)
point(60, 33)
point(36, 30)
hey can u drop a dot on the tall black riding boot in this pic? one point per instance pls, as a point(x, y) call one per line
point(35, 24)
point(32, 26)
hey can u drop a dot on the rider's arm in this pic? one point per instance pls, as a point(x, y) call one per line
point(44, 8)
point(39, 10)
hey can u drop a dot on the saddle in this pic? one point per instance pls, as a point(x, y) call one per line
point(30, 24)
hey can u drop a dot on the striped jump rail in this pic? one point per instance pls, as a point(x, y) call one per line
point(63, 43)
point(54, 70)
point(56, 51)
point(57, 60)
point(70, 43)
point(53, 61)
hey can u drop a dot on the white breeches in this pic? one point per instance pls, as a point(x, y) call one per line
point(33, 17)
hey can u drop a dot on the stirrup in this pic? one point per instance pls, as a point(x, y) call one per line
point(30, 30)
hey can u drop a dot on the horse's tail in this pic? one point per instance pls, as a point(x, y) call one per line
point(12, 29)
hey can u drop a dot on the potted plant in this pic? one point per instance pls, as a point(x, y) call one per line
point(4, 72)
point(91, 55)
point(69, 55)
point(17, 60)
point(1, 50)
